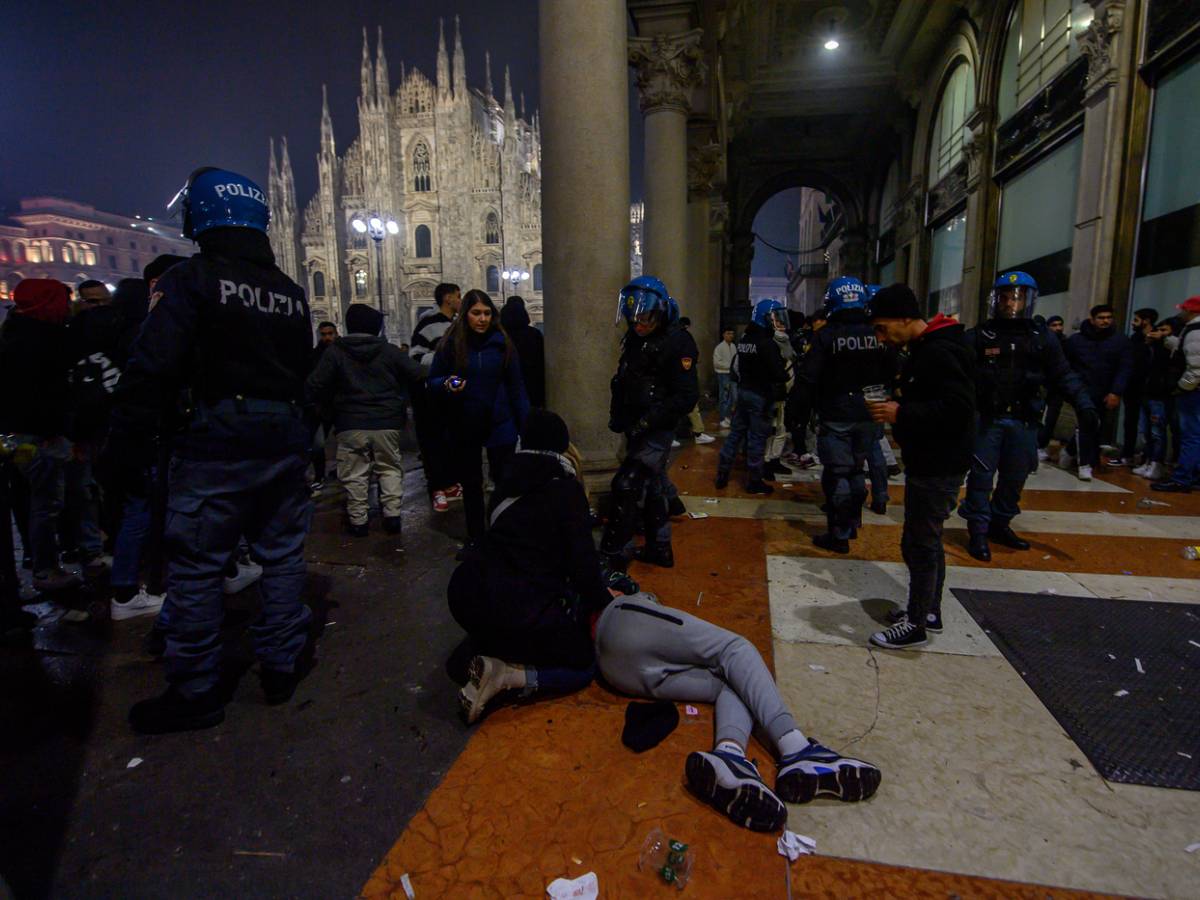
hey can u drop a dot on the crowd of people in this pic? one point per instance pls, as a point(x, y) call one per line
point(181, 428)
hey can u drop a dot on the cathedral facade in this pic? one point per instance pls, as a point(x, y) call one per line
point(457, 170)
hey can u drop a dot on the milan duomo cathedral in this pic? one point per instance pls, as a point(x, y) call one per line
point(456, 169)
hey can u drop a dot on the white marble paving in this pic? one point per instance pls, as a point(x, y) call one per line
point(1046, 478)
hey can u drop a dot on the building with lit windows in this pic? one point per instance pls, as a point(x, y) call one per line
point(72, 242)
point(456, 169)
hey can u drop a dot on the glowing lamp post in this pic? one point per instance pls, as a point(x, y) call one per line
point(378, 229)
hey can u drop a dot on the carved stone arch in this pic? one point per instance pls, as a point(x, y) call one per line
point(796, 177)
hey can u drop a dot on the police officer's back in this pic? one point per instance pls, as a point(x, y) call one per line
point(220, 363)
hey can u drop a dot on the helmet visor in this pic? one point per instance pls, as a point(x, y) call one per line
point(639, 303)
point(1013, 301)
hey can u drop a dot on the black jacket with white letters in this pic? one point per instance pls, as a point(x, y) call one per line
point(844, 357)
point(758, 365)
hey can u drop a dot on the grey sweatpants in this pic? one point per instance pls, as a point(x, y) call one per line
point(649, 650)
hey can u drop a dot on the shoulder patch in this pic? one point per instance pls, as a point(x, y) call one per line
point(686, 362)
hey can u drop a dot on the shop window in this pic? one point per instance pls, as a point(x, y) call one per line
point(956, 104)
point(1042, 39)
point(949, 245)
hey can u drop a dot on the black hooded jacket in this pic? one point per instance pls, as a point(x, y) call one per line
point(531, 349)
point(93, 338)
point(539, 546)
point(364, 380)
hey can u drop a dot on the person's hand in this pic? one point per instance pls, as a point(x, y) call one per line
point(1111, 401)
point(884, 412)
point(456, 385)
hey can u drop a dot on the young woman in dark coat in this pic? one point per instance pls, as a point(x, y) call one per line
point(526, 603)
point(475, 371)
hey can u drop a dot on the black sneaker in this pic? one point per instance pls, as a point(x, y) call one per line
point(900, 636)
point(1006, 537)
point(357, 530)
point(833, 544)
point(172, 711)
point(879, 507)
point(277, 686)
point(759, 487)
point(979, 549)
point(392, 524)
point(933, 621)
point(893, 470)
point(722, 480)
point(1171, 487)
point(675, 507)
point(731, 784)
point(656, 554)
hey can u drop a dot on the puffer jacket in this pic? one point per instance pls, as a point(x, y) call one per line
point(493, 404)
point(364, 380)
point(1103, 358)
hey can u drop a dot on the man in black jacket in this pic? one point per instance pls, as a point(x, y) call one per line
point(654, 387)
point(226, 346)
point(934, 422)
point(1145, 320)
point(844, 359)
point(1054, 401)
point(428, 414)
point(365, 380)
point(761, 376)
point(1103, 357)
point(531, 348)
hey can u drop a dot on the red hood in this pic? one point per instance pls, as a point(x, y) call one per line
point(940, 321)
point(42, 298)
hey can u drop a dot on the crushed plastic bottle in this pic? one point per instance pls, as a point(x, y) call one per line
point(1192, 552)
point(671, 860)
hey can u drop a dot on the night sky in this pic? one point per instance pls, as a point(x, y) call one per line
point(114, 104)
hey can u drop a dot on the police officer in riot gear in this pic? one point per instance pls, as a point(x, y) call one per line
point(1015, 359)
point(654, 387)
point(845, 358)
point(222, 358)
point(761, 376)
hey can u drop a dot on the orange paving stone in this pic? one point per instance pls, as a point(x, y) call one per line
point(547, 790)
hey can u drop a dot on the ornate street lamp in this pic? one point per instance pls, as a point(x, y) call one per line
point(378, 229)
point(513, 277)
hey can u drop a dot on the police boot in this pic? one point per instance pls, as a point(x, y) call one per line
point(827, 541)
point(676, 508)
point(278, 686)
point(756, 485)
point(722, 479)
point(655, 553)
point(1006, 537)
point(172, 711)
point(978, 547)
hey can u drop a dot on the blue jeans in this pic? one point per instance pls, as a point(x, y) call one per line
point(752, 423)
point(211, 505)
point(1005, 450)
point(60, 490)
point(1187, 470)
point(1152, 423)
point(843, 448)
point(131, 540)
point(727, 393)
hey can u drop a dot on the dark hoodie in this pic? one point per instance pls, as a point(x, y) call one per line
point(364, 380)
point(531, 349)
point(1103, 358)
point(34, 360)
point(936, 423)
point(540, 548)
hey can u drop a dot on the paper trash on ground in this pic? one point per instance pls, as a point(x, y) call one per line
point(1137, 662)
point(585, 887)
point(1121, 693)
point(134, 763)
point(1192, 848)
point(697, 515)
point(691, 710)
point(406, 883)
point(793, 845)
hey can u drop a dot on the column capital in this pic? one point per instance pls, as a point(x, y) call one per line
point(668, 67)
point(1098, 43)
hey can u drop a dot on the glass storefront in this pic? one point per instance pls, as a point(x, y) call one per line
point(946, 266)
point(1037, 224)
point(1168, 256)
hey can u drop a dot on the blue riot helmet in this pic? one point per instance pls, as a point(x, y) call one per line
point(771, 315)
point(872, 290)
point(846, 292)
point(643, 296)
point(218, 198)
point(1013, 296)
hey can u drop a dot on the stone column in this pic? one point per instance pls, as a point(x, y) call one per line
point(668, 67)
point(741, 259)
point(1107, 44)
point(700, 302)
point(585, 211)
point(979, 258)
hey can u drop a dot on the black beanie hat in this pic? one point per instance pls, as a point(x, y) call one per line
point(544, 430)
point(363, 319)
point(896, 301)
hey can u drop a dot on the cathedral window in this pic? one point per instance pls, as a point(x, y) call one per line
point(537, 277)
point(5, 251)
point(318, 284)
point(491, 229)
point(493, 280)
point(89, 257)
point(421, 168)
point(35, 252)
point(360, 282)
point(424, 241)
point(66, 254)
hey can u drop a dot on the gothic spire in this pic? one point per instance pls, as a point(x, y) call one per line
point(487, 65)
point(285, 163)
point(510, 111)
point(443, 63)
point(287, 181)
point(522, 104)
point(367, 75)
point(382, 84)
point(327, 145)
point(460, 65)
point(272, 171)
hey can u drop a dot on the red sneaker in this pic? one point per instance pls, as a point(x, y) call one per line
point(439, 502)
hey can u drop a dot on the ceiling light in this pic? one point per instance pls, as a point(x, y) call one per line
point(832, 44)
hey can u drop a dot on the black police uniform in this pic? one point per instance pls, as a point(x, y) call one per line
point(846, 357)
point(654, 387)
point(761, 376)
point(1014, 360)
point(226, 344)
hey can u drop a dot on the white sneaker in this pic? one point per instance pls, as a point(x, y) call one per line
point(675, 444)
point(247, 574)
point(1141, 470)
point(1066, 461)
point(140, 604)
point(703, 438)
point(1043, 455)
point(725, 423)
point(1085, 473)
point(1154, 471)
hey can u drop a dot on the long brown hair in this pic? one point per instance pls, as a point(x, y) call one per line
point(455, 338)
